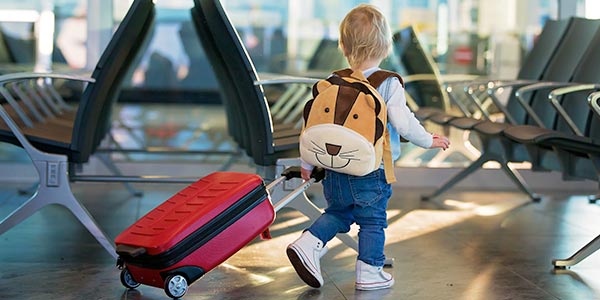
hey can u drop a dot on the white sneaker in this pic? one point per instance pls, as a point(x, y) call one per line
point(305, 255)
point(369, 277)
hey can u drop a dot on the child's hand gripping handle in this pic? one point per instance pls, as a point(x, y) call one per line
point(296, 172)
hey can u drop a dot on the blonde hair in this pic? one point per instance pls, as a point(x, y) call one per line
point(365, 35)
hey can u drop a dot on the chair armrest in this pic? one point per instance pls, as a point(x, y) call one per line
point(283, 79)
point(33, 75)
point(443, 79)
point(492, 86)
point(534, 87)
point(593, 99)
point(555, 94)
point(420, 77)
point(9, 78)
point(458, 78)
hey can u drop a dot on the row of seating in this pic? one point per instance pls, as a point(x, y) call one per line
point(550, 119)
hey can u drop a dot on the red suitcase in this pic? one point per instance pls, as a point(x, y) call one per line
point(194, 231)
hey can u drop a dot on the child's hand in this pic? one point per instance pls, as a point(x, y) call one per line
point(305, 174)
point(440, 142)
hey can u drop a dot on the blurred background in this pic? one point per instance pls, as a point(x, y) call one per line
point(483, 37)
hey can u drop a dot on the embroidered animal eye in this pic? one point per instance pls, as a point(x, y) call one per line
point(355, 116)
point(326, 109)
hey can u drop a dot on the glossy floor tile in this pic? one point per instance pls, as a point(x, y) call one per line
point(483, 246)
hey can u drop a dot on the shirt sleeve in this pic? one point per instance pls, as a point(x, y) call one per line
point(306, 165)
point(403, 119)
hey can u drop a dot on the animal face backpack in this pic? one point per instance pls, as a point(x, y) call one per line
point(345, 125)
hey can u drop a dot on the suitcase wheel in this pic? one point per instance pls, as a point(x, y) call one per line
point(176, 286)
point(127, 280)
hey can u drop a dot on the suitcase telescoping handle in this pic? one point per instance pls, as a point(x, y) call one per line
point(294, 172)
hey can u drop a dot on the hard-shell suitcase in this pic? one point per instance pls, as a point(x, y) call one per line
point(194, 231)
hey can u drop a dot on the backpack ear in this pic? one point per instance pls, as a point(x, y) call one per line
point(307, 107)
point(320, 86)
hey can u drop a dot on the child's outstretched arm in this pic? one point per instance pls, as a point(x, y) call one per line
point(440, 142)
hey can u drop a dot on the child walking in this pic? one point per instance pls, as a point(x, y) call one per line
point(365, 40)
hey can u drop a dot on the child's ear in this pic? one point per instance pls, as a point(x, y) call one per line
point(341, 46)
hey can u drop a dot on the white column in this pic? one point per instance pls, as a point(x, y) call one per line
point(567, 8)
point(99, 29)
point(44, 34)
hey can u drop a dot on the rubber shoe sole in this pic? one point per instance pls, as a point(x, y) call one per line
point(301, 269)
point(375, 285)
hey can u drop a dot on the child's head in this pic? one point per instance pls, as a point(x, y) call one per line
point(365, 35)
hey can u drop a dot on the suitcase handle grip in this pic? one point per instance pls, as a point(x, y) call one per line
point(295, 172)
point(130, 251)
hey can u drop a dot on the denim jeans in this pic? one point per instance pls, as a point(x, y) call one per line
point(360, 199)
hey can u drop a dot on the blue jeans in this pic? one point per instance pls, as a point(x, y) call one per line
point(360, 199)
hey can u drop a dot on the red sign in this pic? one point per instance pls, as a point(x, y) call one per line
point(463, 55)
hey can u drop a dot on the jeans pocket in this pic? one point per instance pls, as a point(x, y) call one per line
point(366, 190)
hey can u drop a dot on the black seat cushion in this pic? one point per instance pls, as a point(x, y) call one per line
point(425, 113)
point(491, 128)
point(442, 118)
point(465, 123)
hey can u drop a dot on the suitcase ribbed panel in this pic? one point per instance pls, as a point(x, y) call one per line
point(188, 210)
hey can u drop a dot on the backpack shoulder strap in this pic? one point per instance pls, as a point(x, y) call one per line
point(343, 72)
point(377, 78)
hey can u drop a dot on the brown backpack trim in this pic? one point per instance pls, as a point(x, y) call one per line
point(344, 72)
point(377, 78)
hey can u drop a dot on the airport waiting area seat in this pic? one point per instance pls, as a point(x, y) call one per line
point(564, 63)
point(571, 145)
point(64, 139)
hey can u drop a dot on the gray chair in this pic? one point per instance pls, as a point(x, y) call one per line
point(496, 147)
point(56, 143)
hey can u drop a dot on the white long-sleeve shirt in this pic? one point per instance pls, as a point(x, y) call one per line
point(401, 120)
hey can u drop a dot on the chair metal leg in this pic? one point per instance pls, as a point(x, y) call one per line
point(516, 177)
point(464, 148)
point(54, 189)
point(474, 166)
point(105, 159)
point(580, 255)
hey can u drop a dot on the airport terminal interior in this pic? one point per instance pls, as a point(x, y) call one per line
point(110, 107)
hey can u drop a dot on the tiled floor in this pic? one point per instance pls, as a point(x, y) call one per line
point(476, 244)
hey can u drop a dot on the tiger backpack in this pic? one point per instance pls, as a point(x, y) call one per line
point(345, 124)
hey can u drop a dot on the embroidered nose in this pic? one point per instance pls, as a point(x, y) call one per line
point(332, 149)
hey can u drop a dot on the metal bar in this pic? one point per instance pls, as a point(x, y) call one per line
point(36, 114)
point(57, 97)
point(167, 150)
point(41, 103)
point(531, 88)
point(555, 94)
point(295, 193)
point(48, 98)
point(12, 102)
point(139, 179)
